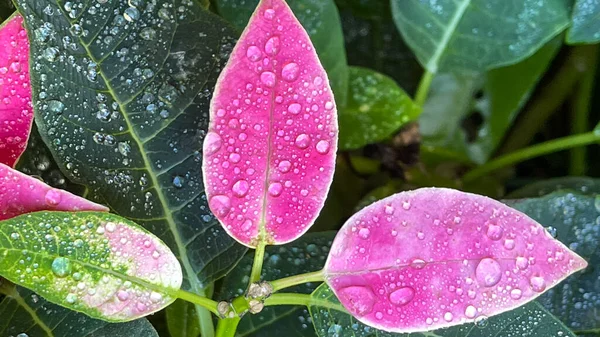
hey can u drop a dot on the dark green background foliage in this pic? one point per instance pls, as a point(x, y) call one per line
point(496, 97)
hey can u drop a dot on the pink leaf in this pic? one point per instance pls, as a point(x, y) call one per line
point(20, 193)
point(16, 115)
point(434, 258)
point(269, 155)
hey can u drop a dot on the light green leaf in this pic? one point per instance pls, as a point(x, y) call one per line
point(376, 108)
point(453, 98)
point(530, 320)
point(121, 97)
point(477, 35)
point(579, 185)
point(25, 313)
point(96, 263)
point(585, 22)
point(320, 18)
point(307, 254)
point(181, 319)
point(575, 220)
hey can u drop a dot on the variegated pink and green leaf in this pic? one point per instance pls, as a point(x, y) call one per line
point(269, 154)
point(96, 263)
point(16, 112)
point(435, 258)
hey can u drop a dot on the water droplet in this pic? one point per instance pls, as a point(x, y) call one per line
point(253, 53)
point(402, 296)
point(488, 272)
point(516, 294)
point(494, 232)
point(420, 235)
point(329, 105)
point(240, 188)
point(470, 311)
point(268, 79)
point(294, 108)
point(509, 244)
point(521, 262)
point(481, 321)
point(302, 141)
point(389, 209)
point(178, 181)
point(269, 14)
point(246, 225)
point(71, 298)
point(364, 233)
point(284, 166)
point(50, 54)
point(155, 297)
point(418, 264)
point(56, 106)
point(448, 316)
point(275, 189)
point(53, 197)
point(122, 295)
point(212, 143)
point(131, 14)
point(272, 46)
point(290, 72)
point(360, 299)
point(220, 205)
point(322, 147)
point(148, 34)
point(537, 283)
point(61, 266)
point(124, 148)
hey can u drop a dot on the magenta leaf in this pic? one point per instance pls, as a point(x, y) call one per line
point(16, 114)
point(269, 155)
point(20, 193)
point(434, 258)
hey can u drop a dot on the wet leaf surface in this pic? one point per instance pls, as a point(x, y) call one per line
point(269, 154)
point(585, 22)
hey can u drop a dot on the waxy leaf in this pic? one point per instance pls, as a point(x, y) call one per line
point(585, 22)
point(20, 193)
point(269, 155)
point(25, 313)
point(16, 115)
point(434, 258)
point(531, 320)
point(96, 263)
point(477, 34)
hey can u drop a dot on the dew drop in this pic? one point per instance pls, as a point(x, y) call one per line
point(364, 233)
point(537, 283)
point(516, 294)
point(521, 262)
point(494, 232)
point(53, 197)
point(178, 181)
point(155, 297)
point(275, 189)
point(240, 188)
point(246, 225)
point(402, 296)
point(61, 266)
point(268, 79)
point(272, 46)
point(488, 272)
point(131, 14)
point(148, 34)
point(294, 108)
point(284, 166)
point(71, 298)
point(122, 295)
point(56, 106)
point(470, 311)
point(448, 316)
point(329, 105)
point(290, 72)
point(220, 205)
point(302, 141)
point(253, 53)
point(509, 244)
point(360, 299)
point(269, 14)
point(212, 143)
point(322, 147)
point(418, 264)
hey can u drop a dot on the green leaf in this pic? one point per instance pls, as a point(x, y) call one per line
point(307, 254)
point(26, 314)
point(477, 35)
point(575, 220)
point(181, 319)
point(376, 108)
point(96, 263)
point(454, 96)
point(530, 320)
point(320, 18)
point(585, 22)
point(580, 185)
point(123, 105)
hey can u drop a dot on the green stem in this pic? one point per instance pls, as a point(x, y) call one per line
point(423, 89)
point(259, 257)
point(301, 299)
point(283, 283)
point(199, 300)
point(532, 152)
point(227, 327)
point(580, 113)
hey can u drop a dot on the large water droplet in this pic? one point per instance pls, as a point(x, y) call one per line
point(53, 197)
point(516, 294)
point(494, 232)
point(402, 296)
point(220, 205)
point(322, 147)
point(537, 283)
point(448, 316)
point(418, 264)
point(364, 233)
point(56, 106)
point(360, 299)
point(302, 141)
point(275, 189)
point(178, 181)
point(269, 14)
point(131, 14)
point(212, 143)
point(148, 34)
point(470, 311)
point(488, 272)
point(268, 79)
point(509, 244)
point(290, 72)
point(253, 53)
point(521, 262)
point(284, 166)
point(294, 108)
point(240, 188)
point(272, 46)
point(61, 266)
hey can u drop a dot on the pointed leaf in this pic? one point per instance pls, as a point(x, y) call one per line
point(16, 115)
point(24, 312)
point(585, 23)
point(20, 193)
point(477, 34)
point(269, 155)
point(96, 263)
point(530, 320)
point(433, 258)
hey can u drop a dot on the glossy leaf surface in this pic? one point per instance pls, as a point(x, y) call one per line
point(585, 22)
point(457, 35)
point(96, 263)
point(433, 258)
point(530, 320)
point(16, 113)
point(376, 108)
point(25, 313)
point(320, 19)
point(269, 155)
point(20, 193)
point(139, 78)
point(307, 254)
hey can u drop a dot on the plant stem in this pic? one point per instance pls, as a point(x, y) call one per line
point(532, 152)
point(423, 89)
point(283, 283)
point(301, 299)
point(199, 300)
point(227, 327)
point(259, 257)
point(580, 113)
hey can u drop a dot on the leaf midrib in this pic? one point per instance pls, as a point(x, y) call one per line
point(433, 63)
